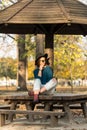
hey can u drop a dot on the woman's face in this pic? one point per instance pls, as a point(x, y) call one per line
point(42, 61)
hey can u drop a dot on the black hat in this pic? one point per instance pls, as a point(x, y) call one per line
point(39, 55)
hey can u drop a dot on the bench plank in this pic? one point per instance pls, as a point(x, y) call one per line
point(76, 106)
point(3, 111)
point(53, 115)
point(5, 106)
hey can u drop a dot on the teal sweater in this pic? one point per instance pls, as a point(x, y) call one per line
point(47, 74)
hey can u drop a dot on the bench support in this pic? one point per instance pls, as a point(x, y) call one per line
point(2, 119)
point(13, 107)
point(30, 106)
point(53, 115)
point(84, 109)
point(68, 112)
point(53, 121)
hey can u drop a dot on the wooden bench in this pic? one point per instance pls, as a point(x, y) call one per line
point(53, 115)
point(56, 106)
point(5, 106)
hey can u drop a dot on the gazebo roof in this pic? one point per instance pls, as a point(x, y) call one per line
point(44, 16)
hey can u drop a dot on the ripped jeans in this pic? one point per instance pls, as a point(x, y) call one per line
point(50, 85)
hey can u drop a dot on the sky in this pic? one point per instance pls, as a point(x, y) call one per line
point(84, 1)
point(8, 47)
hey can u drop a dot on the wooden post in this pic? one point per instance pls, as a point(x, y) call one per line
point(39, 43)
point(49, 47)
point(68, 112)
point(30, 106)
point(54, 121)
point(13, 107)
point(2, 119)
point(84, 109)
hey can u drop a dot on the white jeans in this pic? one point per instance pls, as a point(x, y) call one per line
point(50, 86)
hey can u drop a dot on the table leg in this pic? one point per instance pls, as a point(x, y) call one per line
point(30, 106)
point(48, 106)
point(68, 112)
point(84, 109)
point(13, 107)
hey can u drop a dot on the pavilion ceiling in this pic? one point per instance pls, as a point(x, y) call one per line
point(45, 16)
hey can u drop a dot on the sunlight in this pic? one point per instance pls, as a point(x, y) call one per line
point(83, 1)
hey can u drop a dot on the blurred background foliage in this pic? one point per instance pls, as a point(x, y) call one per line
point(70, 59)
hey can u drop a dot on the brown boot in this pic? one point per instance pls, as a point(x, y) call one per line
point(36, 98)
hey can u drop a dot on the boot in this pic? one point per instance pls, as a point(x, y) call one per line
point(36, 98)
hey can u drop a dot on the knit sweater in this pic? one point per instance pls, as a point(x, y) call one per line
point(47, 74)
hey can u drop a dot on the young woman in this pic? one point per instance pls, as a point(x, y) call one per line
point(43, 74)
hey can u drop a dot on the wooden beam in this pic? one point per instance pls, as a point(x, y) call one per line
point(82, 29)
point(41, 28)
point(60, 4)
point(17, 11)
point(58, 28)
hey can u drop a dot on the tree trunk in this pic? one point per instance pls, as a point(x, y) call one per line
point(39, 43)
point(22, 64)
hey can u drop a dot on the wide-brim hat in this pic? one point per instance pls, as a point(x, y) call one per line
point(39, 55)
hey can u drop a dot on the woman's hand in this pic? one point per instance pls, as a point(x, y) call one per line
point(41, 67)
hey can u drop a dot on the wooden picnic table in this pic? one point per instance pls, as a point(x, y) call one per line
point(66, 99)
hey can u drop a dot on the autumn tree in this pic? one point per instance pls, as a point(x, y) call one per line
point(68, 56)
point(8, 68)
point(22, 63)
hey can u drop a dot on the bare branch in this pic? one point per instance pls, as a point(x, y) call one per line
point(12, 1)
point(11, 37)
